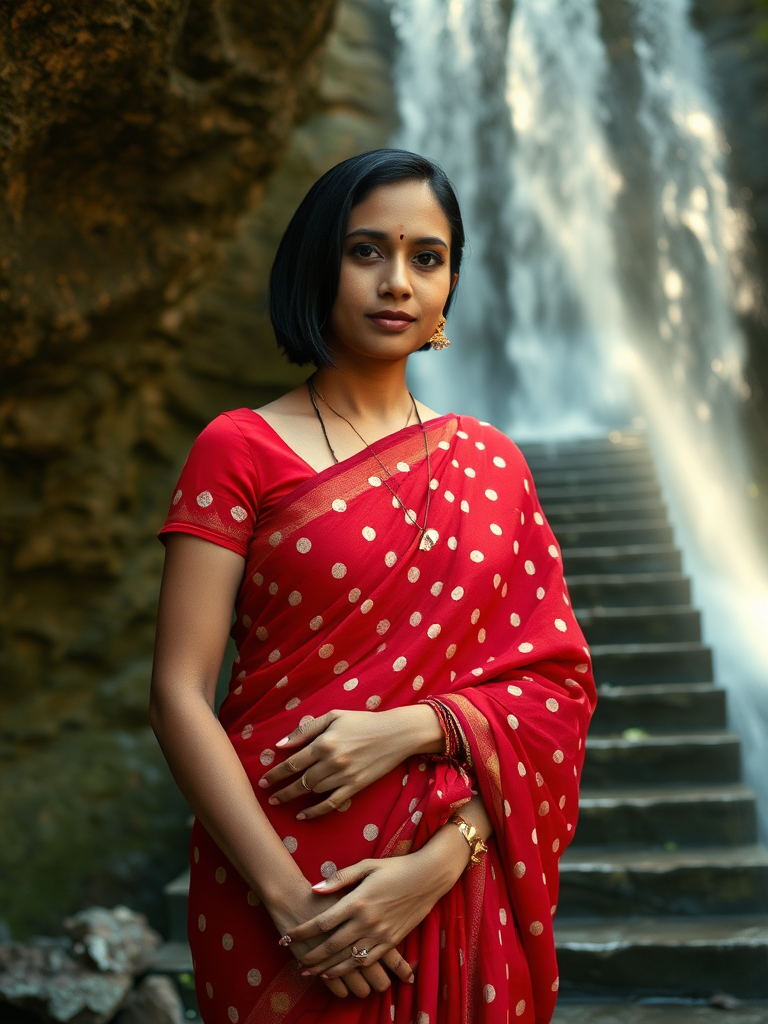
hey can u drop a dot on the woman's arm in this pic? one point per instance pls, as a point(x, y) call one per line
point(392, 896)
point(200, 583)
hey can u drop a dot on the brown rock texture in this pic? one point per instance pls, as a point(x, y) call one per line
point(149, 160)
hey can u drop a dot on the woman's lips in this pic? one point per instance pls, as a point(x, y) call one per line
point(390, 323)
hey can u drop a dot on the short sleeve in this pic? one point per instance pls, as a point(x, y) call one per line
point(216, 497)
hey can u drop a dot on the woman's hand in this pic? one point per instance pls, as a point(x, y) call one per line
point(359, 981)
point(342, 752)
point(393, 896)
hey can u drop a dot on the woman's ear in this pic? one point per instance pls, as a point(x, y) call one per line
point(454, 282)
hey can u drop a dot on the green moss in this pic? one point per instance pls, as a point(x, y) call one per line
point(93, 818)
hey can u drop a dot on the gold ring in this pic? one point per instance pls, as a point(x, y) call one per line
point(359, 955)
point(304, 782)
point(291, 765)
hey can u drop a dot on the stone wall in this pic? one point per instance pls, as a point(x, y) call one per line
point(151, 154)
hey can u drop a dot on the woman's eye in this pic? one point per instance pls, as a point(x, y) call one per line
point(365, 250)
point(428, 259)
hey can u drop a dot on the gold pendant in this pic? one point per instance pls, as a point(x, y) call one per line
point(428, 540)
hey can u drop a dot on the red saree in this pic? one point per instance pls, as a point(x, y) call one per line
point(340, 609)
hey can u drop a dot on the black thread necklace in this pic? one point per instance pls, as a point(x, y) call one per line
point(428, 538)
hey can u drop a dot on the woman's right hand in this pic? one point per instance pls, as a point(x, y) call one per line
point(359, 981)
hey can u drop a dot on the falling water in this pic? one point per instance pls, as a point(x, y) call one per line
point(604, 268)
point(698, 282)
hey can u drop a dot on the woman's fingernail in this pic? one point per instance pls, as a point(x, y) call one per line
point(263, 783)
point(273, 800)
point(320, 885)
point(284, 940)
point(282, 742)
point(305, 974)
point(300, 816)
point(324, 977)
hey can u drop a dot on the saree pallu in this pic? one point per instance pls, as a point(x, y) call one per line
point(339, 608)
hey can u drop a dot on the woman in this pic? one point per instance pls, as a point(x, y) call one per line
point(382, 801)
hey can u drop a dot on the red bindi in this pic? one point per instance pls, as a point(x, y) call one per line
point(402, 236)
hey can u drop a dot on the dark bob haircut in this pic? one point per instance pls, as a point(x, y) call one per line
point(305, 274)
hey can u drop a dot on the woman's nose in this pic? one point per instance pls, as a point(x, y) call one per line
point(396, 280)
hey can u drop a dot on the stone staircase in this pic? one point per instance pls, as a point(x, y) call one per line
point(664, 892)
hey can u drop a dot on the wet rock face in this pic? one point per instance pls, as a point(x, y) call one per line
point(132, 135)
point(151, 154)
point(736, 38)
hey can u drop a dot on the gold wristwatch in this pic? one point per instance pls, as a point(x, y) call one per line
point(476, 844)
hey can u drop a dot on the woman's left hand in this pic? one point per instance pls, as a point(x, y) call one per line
point(393, 897)
point(342, 752)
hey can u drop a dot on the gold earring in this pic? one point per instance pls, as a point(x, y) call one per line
point(438, 340)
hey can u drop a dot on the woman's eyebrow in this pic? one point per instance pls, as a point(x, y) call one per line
point(373, 233)
point(368, 232)
point(430, 240)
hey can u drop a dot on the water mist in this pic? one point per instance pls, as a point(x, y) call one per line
point(553, 336)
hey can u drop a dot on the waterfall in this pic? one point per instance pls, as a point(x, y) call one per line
point(604, 267)
point(698, 282)
point(511, 105)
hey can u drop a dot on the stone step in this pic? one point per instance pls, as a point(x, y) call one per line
point(172, 958)
point(656, 707)
point(713, 880)
point(670, 759)
point(626, 590)
point(665, 624)
point(587, 461)
point(655, 816)
point(553, 496)
point(574, 1009)
point(613, 534)
point(624, 664)
point(586, 446)
point(176, 892)
point(674, 957)
point(607, 512)
point(567, 475)
point(622, 559)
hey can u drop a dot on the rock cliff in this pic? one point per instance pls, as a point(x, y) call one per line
point(736, 38)
point(151, 152)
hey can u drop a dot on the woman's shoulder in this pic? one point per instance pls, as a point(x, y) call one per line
point(496, 442)
point(232, 423)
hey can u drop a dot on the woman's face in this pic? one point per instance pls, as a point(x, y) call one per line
point(395, 274)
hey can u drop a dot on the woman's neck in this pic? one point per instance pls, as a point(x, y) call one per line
point(378, 396)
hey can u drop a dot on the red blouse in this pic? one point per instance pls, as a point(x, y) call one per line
point(239, 468)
